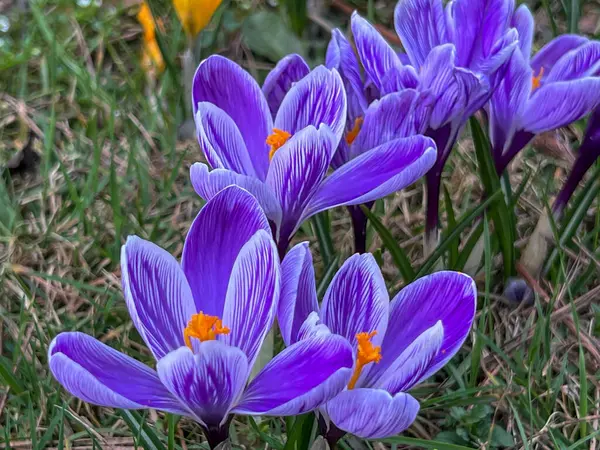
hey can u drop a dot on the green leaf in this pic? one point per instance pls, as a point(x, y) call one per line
point(398, 255)
point(322, 230)
point(422, 443)
point(296, 11)
point(300, 435)
point(463, 223)
point(144, 434)
point(451, 225)
point(501, 437)
point(8, 378)
point(268, 36)
point(500, 213)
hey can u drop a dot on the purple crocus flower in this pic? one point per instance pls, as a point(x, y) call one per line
point(396, 344)
point(453, 56)
point(284, 162)
point(559, 85)
point(204, 323)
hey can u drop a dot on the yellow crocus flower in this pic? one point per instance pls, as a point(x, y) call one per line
point(151, 54)
point(194, 15)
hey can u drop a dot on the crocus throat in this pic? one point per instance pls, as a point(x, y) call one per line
point(276, 140)
point(204, 328)
point(366, 353)
point(536, 80)
point(351, 135)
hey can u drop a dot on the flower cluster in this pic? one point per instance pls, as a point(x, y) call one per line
point(365, 124)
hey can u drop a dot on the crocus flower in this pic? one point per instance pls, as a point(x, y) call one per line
point(151, 56)
point(452, 54)
point(396, 344)
point(284, 162)
point(194, 15)
point(204, 323)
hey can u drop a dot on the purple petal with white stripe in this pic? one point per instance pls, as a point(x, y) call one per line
point(298, 292)
point(252, 295)
point(215, 239)
point(357, 300)
point(554, 50)
point(319, 98)
point(398, 79)
point(98, 374)
point(223, 83)
point(421, 25)
point(556, 105)
point(376, 55)
point(584, 61)
point(449, 297)
point(297, 170)
point(509, 101)
point(209, 382)
point(300, 378)
point(221, 141)
point(288, 71)
point(408, 368)
point(375, 174)
point(479, 26)
point(207, 184)
point(387, 119)
point(522, 21)
point(372, 413)
point(157, 294)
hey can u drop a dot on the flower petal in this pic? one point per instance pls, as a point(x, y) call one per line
point(221, 140)
point(157, 294)
point(581, 62)
point(319, 98)
point(300, 378)
point(252, 294)
point(311, 327)
point(376, 55)
point(387, 119)
point(98, 374)
point(522, 21)
point(375, 174)
point(554, 50)
point(229, 87)
point(449, 297)
point(372, 413)
point(357, 300)
point(288, 71)
point(296, 171)
point(558, 104)
point(408, 369)
point(479, 26)
point(298, 292)
point(421, 25)
point(341, 56)
point(209, 382)
point(207, 184)
point(508, 101)
point(214, 241)
point(398, 79)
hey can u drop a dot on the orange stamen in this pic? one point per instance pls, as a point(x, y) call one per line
point(204, 328)
point(366, 353)
point(276, 140)
point(351, 135)
point(536, 80)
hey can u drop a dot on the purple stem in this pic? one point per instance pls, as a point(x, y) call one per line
point(519, 141)
point(359, 226)
point(215, 434)
point(584, 161)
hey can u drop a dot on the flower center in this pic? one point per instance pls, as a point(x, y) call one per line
point(276, 140)
point(536, 80)
point(204, 328)
point(367, 353)
point(351, 135)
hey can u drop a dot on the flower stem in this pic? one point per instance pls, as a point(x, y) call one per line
point(359, 227)
point(331, 433)
point(216, 435)
point(582, 164)
point(433, 180)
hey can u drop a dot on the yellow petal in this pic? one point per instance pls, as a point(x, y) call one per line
point(145, 19)
point(194, 15)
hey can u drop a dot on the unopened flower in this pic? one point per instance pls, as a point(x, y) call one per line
point(194, 15)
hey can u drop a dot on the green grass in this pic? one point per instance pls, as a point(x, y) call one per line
point(111, 165)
